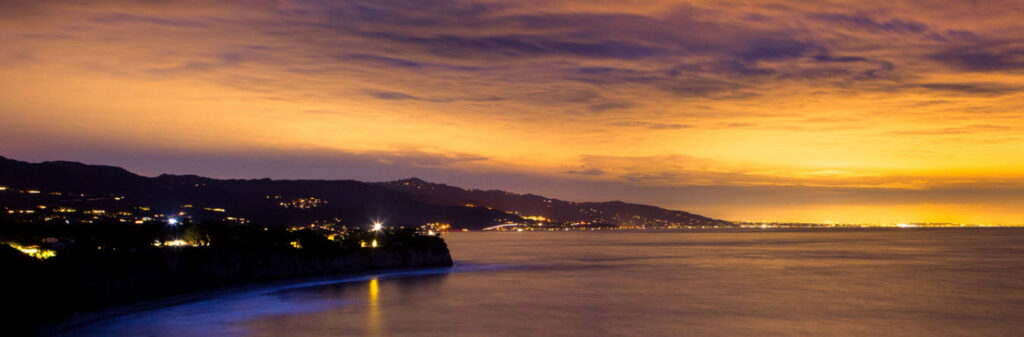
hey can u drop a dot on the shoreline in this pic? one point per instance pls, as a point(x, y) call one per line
point(88, 318)
point(56, 292)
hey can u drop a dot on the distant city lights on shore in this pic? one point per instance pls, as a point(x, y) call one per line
point(33, 251)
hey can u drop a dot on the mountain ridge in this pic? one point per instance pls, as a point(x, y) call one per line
point(411, 201)
point(528, 204)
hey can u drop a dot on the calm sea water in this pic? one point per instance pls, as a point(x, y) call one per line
point(816, 283)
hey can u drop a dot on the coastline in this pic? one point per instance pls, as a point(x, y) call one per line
point(69, 292)
point(85, 319)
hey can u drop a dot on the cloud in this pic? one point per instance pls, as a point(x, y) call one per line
point(671, 81)
point(417, 158)
point(985, 57)
point(602, 107)
point(842, 59)
point(519, 46)
point(392, 95)
point(123, 18)
point(653, 125)
point(738, 96)
point(954, 130)
point(376, 60)
point(586, 172)
point(871, 24)
point(388, 95)
point(382, 60)
point(980, 89)
point(216, 62)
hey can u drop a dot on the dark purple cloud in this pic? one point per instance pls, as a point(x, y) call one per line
point(984, 57)
point(392, 95)
point(974, 89)
point(871, 24)
point(519, 46)
point(840, 59)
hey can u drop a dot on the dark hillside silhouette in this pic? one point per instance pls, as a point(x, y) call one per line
point(410, 202)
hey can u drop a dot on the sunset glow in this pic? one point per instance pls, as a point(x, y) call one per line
point(791, 111)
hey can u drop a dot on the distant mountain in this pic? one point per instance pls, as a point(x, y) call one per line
point(410, 202)
point(68, 176)
point(616, 213)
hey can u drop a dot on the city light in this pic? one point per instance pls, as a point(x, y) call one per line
point(33, 251)
point(377, 226)
point(177, 243)
point(301, 203)
point(172, 221)
point(535, 218)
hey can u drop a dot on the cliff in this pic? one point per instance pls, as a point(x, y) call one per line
point(47, 291)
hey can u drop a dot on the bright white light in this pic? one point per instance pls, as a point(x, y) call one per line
point(377, 226)
point(172, 221)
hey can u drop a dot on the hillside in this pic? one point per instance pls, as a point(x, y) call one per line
point(616, 213)
point(75, 191)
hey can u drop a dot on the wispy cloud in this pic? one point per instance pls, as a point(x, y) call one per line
point(699, 93)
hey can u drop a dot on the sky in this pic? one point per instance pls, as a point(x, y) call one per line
point(867, 112)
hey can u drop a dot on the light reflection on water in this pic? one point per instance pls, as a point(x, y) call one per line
point(853, 283)
point(373, 320)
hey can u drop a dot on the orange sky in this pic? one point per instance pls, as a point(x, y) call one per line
point(894, 111)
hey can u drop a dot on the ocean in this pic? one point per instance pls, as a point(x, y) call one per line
point(906, 282)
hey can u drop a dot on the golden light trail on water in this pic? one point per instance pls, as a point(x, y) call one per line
point(373, 321)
